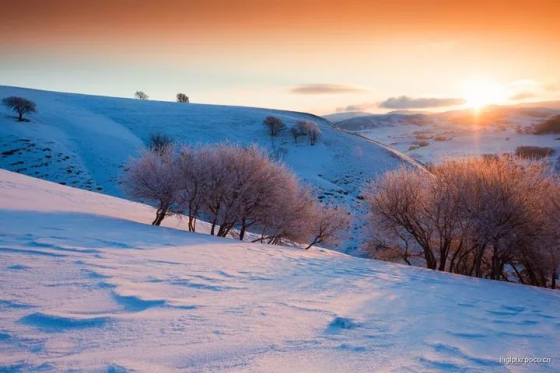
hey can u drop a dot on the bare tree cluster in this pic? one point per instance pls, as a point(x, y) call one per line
point(306, 128)
point(237, 190)
point(20, 106)
point(483, 217)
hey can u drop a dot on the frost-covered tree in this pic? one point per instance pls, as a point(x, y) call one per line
point(290, 216)
point(310, 129)
point(192, 182)
point(484, 217)
point(20, 106)
point(236, 189)
point(152, 178)
point(182, 98)
point(274, 125)
point(329, 225)
point(313, 132)
point(141, 95)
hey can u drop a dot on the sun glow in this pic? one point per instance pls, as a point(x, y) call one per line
point(480, 94)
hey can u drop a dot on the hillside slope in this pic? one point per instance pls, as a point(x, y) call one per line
point(430, 137)
point(87, 285)
point(84, 141)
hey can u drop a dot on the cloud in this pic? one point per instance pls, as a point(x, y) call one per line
point(522, 95)
point(357, 107)
point(406, 102)
point(324, 88)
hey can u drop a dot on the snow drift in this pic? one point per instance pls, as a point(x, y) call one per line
point(86, 284)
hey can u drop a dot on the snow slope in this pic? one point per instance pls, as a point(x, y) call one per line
point(458, 133)
point(84, 141)
point(87, 285)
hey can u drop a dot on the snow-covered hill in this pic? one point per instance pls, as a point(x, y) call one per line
point(431, 137)
point(84, 141)
point(86, 284)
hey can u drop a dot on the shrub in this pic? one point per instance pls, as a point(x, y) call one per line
point(550, 126)
point(534, 152)
point(20, 106)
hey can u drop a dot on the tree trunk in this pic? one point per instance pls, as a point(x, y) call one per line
point(315, 241)
point(213, 225)
point(160, 215)
point(242, 231)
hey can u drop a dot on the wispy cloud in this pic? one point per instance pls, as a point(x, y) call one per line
point(406, 102)
point(357, 107)
point(324, 88)
point(403, 102)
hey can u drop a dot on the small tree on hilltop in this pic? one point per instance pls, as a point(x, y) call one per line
point(274, 125)
point(182, 98)
point(141, 95)
point(20, 105)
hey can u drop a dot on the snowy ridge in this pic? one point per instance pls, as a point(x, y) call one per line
point(86, 284)
point(84, 141)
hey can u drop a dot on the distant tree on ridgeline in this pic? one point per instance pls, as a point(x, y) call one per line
point(182, 98)
point(141, 95)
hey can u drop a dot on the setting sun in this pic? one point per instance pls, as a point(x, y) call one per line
point(481, 93)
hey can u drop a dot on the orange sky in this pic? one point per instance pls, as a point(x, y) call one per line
point(349, 54)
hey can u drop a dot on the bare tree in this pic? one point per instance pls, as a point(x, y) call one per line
point(274, 125)
point(192, 183)
point(313, 132)
point(182, 98)
point(236, 189)
point(296, 133)
point(20, 106)
point(309, 128)
point(329, 224)
point(141, 95)
point(152, 178)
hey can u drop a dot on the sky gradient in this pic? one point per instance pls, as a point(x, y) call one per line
point(318, 56)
